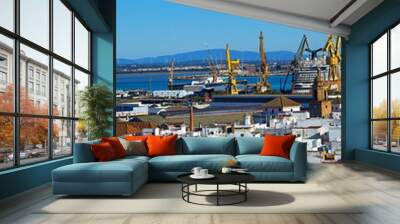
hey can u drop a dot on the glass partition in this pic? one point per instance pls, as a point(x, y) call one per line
point(38, 91)
point(385, 94)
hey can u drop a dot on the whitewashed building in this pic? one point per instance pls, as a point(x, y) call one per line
point(171, 93)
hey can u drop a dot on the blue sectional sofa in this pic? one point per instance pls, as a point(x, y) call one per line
point(125, 176)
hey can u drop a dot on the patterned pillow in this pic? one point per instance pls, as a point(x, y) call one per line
point(137, 148)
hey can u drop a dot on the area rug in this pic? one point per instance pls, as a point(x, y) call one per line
point(166, 198)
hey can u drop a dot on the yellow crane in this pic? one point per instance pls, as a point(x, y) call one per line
point(332, 47)
point(231, 65)
point(263, 86)
point(326, 86)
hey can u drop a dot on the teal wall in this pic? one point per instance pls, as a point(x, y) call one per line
point(102, 59)
point(103, 63)
point(99, 16)
point(356, 86)
point(24, 178)
point(380, 159)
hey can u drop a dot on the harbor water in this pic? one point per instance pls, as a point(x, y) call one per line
point(159, 81)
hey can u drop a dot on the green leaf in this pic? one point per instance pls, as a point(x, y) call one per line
point(97, 103)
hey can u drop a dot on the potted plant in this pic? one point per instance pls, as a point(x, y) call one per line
point(96, 103)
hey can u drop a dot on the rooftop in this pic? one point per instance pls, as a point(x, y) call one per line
point(280, 102)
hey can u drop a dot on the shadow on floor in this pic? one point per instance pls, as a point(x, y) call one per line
point(256, 198)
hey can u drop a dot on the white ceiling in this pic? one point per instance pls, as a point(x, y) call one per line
point(327, 16)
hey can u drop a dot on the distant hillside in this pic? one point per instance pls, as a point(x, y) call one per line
point(202, 56)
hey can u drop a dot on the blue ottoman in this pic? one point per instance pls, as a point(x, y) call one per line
point(119, 177)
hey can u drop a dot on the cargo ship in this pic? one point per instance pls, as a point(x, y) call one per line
point(304, 77)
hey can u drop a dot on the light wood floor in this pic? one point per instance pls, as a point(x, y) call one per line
point(354, 182)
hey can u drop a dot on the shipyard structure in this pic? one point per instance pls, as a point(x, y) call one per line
point(223, 102)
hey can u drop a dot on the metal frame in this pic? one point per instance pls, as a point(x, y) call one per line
point(114, 73)
point(16, 114)
point(242, 191)
point(50, 81)
point(388, 74)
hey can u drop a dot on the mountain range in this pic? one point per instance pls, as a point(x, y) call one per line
point(203, 56)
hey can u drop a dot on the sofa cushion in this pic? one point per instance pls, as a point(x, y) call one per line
point(207, 145)
point(185, 163)
point(257, 163)
point(83, 152)
point(136, 138)
point(112, 171)
point(103, 152)
point(134, 147)
point(133, 157)
point(116, 145)
point(249, 145)
point(161, 145)
point(275, 145)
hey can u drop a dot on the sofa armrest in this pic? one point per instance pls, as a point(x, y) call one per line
point(298, 155)
point(83, 152)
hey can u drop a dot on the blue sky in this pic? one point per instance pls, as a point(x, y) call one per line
point(147, 28)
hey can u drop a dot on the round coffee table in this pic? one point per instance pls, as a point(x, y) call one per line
point(238, 179)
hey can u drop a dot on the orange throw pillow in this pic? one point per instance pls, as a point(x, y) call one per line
point(161, 145)
point(103, 152)
point(116, 145)
point(136, 138)
point(277, 145)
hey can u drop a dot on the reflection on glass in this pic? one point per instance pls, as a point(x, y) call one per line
point(395, 47)
point(379, 135)
point(81, 45)
point(395, 95)
point(34, 96)
point(379, 56)
point(62, 89)
point(62, 29)
point(81, 82)
point(6, 142)
point(7, 14)
point(395, 136)
point(379, 98)
point(81, 131)
point(34, 21)
point(33, 139)
point(6, 74)
point(62, 138)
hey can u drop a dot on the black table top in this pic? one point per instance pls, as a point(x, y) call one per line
point(220, 178)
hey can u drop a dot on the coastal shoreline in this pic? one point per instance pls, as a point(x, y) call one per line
point(193, 72)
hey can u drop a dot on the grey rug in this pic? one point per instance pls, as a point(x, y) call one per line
point(166, 198)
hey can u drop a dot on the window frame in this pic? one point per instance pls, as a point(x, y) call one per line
point(16, 114)
point(388, 74)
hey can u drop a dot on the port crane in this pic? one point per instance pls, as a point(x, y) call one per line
point(263, 86)
point(324, 87)
point(332, 48)
point(171, 75)
point(296, 62)
point(213, 64)
point(231, 66)
point(300, 51)
point(333, 60)
point(304, 47)
point(214, 71)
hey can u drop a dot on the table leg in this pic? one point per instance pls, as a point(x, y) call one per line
point(188, 190)
point(182, 190)
point(245, 193)
point(195, 188)
point(217, 194)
